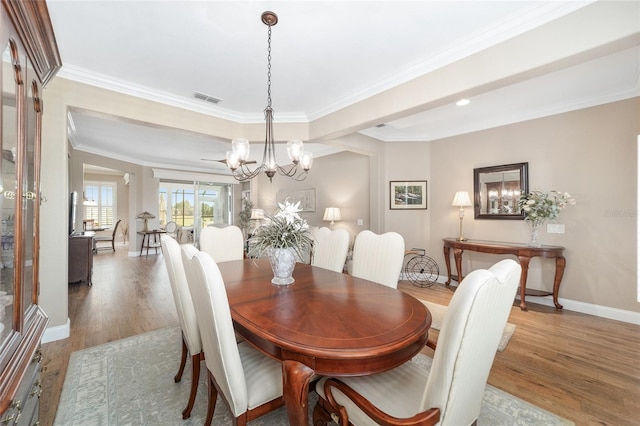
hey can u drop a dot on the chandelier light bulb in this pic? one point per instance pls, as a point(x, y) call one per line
point(306, 161)
point(295, 149)
point(241, 147)
point(232, 160)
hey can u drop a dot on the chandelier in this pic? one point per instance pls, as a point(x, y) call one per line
point(238, 158)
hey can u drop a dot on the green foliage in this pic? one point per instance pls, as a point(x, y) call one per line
point(245, 215)
point(286, 229)
point(541, 206)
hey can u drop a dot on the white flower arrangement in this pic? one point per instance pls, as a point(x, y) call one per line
point(286, 229)
point(540, 206)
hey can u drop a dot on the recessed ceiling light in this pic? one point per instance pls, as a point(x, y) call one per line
point(463, 102)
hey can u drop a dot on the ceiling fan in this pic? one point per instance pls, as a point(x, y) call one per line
point(225, 161)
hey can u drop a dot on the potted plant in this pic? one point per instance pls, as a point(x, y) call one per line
point(283, 239)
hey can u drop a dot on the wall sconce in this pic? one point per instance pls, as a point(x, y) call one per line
point(332, 214)
point(461, 200)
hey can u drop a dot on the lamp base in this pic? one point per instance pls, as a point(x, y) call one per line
point(461, 238)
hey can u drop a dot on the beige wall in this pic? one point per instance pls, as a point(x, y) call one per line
point(340, 180)
point(591, 154)
point(403, 162)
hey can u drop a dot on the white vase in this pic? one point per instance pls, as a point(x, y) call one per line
point(282, 260)
point(534, 236)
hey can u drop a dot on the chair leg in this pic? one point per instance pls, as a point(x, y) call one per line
point(322, 413)
point(195, 378)
point(213, 396)
point(183, 361)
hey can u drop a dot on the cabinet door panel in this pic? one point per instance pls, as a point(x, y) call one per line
point(8, 188)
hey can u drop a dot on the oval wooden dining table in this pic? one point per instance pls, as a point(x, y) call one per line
point(325, 323)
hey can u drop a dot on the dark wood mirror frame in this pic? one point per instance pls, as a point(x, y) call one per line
point(497, 191)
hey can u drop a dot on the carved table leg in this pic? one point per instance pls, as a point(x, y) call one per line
point(457, 255)
point(296, 378)
point(447, 261)
point(560, 264)
point(524, 263)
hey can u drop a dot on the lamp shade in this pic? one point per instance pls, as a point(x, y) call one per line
point(257, 214)
point(332, 214)
point(461, 199)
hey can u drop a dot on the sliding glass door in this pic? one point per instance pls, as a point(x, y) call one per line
point(195, 204)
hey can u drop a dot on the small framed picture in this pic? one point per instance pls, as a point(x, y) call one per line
point(407, 195)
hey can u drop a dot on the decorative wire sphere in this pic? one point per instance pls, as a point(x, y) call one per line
point(422, 271)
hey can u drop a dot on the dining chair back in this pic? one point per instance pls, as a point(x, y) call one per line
point(171, 228)
point(223, 244)
point(191, 342)
point(106, 239)
point(330, 248)
point(451, 393)
point(378, 258)
point(249, 382)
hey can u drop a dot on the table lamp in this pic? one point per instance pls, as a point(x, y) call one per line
point(461, 200)
point(332, 214)
point(146, 216)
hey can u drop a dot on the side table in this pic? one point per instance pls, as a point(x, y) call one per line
point(146, 240)
point(524, 254)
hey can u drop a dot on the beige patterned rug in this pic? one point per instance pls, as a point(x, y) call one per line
point(130, 382)
point(437, 316)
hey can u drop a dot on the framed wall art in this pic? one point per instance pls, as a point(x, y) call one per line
point(307, 198)
point(408, 195)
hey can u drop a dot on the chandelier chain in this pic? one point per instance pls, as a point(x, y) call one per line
point(269, 69)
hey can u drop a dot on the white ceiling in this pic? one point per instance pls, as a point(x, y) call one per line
point(326, 55)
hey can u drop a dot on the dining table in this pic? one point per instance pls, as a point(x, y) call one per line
point(325, 323)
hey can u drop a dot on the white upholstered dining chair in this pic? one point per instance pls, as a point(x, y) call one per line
point(378, 258)
point(249, 382)
point(191, 342)
point(451, 393)
point(330, 249)
point(223, 244)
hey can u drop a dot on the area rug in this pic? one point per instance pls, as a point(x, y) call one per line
point(437, 316)
point(130, 382)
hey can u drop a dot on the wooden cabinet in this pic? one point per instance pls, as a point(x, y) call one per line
point(29, 60)
point(80, 258)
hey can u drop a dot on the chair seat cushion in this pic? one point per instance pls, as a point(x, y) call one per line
point(263, 375)
point(375, 388)
point(102, 239)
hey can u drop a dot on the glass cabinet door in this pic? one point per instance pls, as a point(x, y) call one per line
point(30, 197)
point(8, 187)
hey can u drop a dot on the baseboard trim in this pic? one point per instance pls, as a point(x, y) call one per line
point(58, 332)
point(577, 306)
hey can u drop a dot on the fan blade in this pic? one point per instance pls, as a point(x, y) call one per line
point(225, 161)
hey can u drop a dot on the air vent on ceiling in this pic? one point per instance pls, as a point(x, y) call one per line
point(206, 98)
point(380, 125)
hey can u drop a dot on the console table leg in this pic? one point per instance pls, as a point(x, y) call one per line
point(524, 263)
point(560, 264)
point(447, 261)
point(457, 255)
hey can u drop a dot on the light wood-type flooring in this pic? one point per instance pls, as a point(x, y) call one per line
point(584, 368)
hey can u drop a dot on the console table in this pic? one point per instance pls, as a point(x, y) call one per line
point(146, 240)
point(524, 254)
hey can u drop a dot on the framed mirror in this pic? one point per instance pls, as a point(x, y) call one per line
point(497, 190)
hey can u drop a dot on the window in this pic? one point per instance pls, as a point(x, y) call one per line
point(195, 204)
point(99, 202)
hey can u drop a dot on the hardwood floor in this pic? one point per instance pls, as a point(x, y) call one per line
point(584, 368)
